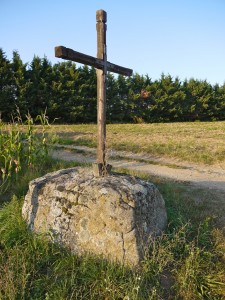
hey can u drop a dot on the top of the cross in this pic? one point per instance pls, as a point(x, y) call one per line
point(101, 16)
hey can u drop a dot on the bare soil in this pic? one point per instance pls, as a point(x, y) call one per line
point(206, 183)
point(206, 176)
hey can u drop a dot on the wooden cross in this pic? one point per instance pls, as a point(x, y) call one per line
point(102, 65)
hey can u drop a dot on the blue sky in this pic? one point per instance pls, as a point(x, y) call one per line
point(183, 38)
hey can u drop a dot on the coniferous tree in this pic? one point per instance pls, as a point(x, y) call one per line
point(21, 83)
point(69, 94)
point(37, 91)
point(113, 100)
point(7, 88)
point(63, 99)
point(86, 94)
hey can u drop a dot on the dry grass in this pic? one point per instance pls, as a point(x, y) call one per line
point(186, 262)
point(196, 142)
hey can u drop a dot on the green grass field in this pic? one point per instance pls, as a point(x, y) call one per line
point(186, 262)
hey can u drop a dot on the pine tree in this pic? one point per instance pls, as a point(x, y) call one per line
point(20, 83)
point(7, 88)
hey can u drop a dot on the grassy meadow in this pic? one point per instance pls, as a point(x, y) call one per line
point(194, 142)
point(186, 262)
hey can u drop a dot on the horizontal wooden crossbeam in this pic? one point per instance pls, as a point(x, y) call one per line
point(69, 54)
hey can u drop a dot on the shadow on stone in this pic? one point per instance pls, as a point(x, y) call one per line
point(113, 216)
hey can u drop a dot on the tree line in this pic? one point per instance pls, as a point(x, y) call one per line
point(68, 93)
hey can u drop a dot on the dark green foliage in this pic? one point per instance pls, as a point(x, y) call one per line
point(69, 94)
point(7, 87)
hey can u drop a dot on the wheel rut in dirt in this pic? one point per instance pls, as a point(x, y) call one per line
point(210, 177)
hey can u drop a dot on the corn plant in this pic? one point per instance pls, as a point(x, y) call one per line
point(21, 146)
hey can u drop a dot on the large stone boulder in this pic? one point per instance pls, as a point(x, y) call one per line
point(113, 216)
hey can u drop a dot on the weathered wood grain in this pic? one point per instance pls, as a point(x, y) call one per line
point(102, 65)
point(69, 54)
point(101, 86)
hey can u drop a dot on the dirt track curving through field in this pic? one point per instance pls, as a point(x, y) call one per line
point(211, 177)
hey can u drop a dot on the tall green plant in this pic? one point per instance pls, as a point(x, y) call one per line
point(21, 146)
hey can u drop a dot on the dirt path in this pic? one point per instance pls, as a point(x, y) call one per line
point(211, 177)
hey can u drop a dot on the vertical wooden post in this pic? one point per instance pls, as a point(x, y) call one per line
point(100, 168)
point(101, 18)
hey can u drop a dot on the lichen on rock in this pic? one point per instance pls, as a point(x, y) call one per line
point(113, 216)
